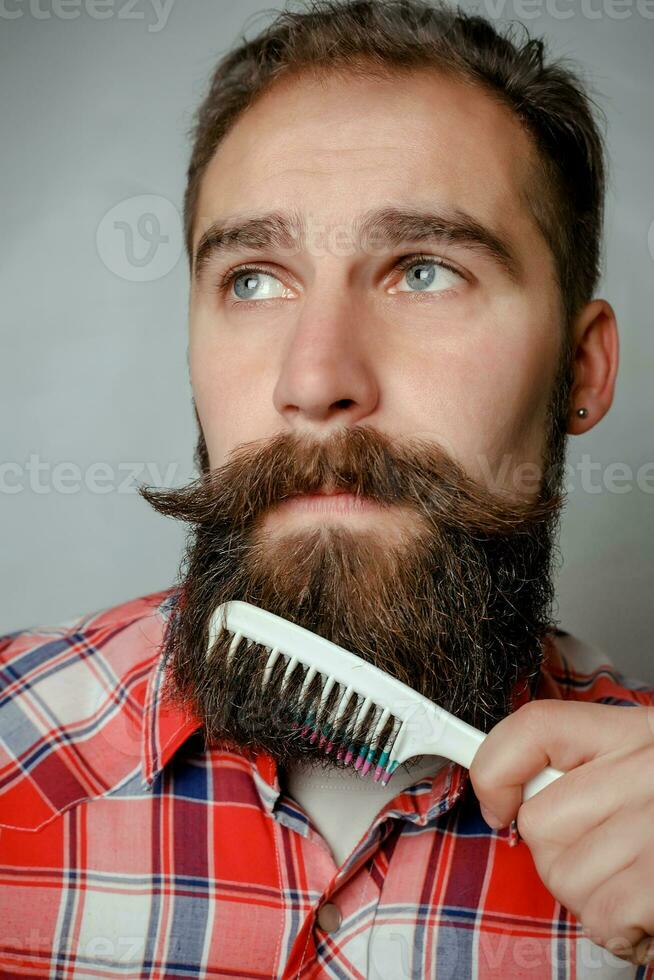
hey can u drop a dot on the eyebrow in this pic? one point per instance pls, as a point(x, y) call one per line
point(390, 226)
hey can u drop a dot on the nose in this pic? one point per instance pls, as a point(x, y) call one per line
point(326, 377)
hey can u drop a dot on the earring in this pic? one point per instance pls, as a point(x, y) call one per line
point(582, 412)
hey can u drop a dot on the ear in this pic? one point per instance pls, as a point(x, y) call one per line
point(596, 356)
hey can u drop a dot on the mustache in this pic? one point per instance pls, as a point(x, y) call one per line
point(416, 473)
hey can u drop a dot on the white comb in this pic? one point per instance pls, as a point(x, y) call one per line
point(420, 727)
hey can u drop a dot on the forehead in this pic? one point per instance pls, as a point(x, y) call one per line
point(337, 144)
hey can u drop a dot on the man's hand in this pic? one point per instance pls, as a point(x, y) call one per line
point(591, 832)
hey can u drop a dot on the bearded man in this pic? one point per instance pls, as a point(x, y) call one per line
point(393, 221)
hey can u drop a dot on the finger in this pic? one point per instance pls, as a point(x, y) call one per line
point(621, 911)
point(574, 874)
point(563, 734)
point(584, 798)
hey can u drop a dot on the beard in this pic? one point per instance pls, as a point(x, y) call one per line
point(456, 604)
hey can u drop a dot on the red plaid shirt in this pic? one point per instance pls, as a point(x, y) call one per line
point(128, 850)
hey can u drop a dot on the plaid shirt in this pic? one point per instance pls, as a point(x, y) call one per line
point(129, 850)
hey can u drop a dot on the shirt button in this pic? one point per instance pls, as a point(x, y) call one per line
point(329, 917)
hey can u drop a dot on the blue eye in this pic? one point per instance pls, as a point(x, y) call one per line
point(421, 274)
point(245, 284)
point(256, 284)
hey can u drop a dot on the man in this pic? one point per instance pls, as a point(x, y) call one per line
point(393, 221)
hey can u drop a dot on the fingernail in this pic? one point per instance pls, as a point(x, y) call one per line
point(514, 837)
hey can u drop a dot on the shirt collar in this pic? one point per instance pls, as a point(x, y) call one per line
point(165, 728)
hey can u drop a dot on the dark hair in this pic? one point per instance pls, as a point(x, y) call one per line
point(382, 37)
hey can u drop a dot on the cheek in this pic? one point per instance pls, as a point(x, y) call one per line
point(514, 390)
point(486, 401)
point(231, 399)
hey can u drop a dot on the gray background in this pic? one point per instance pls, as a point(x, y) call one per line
point(94, 116)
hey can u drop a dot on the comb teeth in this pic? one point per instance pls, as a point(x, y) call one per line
point(364, 754)
point(362, 751)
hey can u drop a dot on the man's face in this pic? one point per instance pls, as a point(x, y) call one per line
point(414, 371)
point(334, 333)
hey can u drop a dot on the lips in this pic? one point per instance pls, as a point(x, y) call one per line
point(329, 500)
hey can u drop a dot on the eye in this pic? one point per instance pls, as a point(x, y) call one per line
point(422, 274)
point(253, 284)
point(425, 274)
